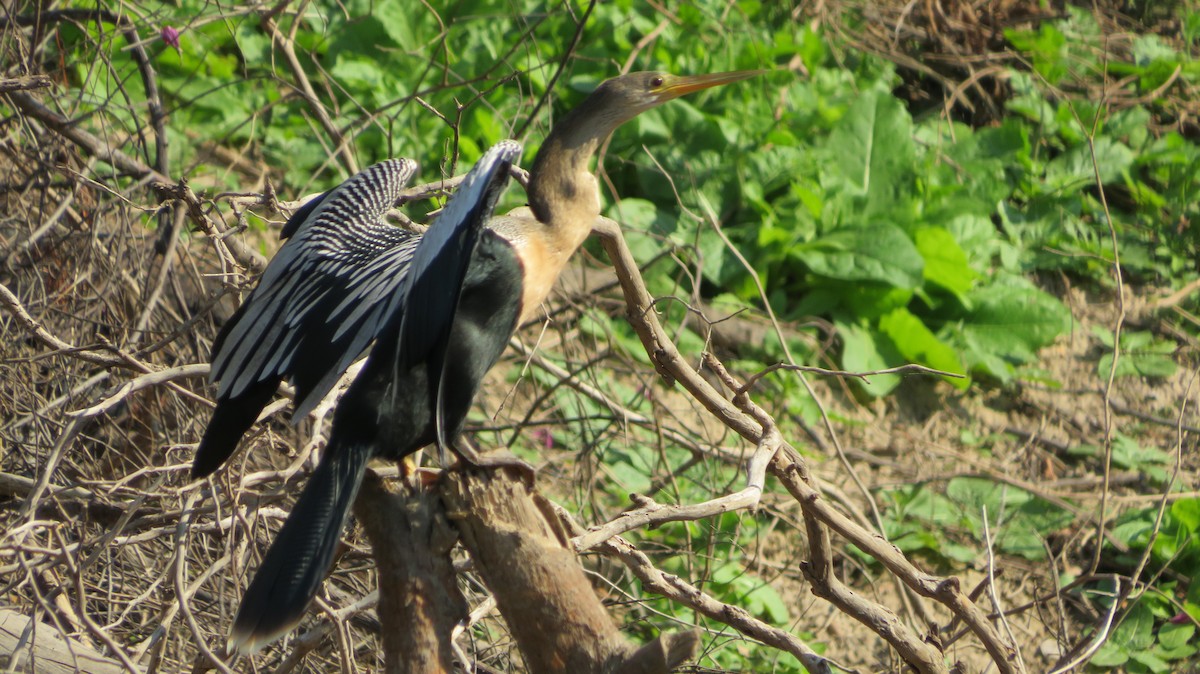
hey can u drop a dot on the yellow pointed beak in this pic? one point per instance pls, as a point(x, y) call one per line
point(678, 85)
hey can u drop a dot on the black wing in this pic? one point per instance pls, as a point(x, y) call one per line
point(439, 265)
point(321, 301)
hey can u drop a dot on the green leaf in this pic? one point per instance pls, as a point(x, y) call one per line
point(1074, 169)
point(1110, 655)
point(1047, 47)
point(945, 262)
point(1187, 512)
point(1173, 638)
point(1010, 321)
point(919, 345)
point(871, 253)
point(1136, 631)
point(631, 479)
point(872, 150)
point(1142, 355)
point(1151, 661)
point(764, 600)
point(860, 353)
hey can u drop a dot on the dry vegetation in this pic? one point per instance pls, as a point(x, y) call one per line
point(106, 327)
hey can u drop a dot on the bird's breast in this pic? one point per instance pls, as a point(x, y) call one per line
point(544, 252)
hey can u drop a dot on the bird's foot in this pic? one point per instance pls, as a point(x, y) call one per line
point(498, 458)
point(426, 477)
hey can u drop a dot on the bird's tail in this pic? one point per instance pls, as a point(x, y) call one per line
point(230, 421)
point(299, 558)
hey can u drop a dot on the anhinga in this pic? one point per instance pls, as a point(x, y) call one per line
point(440, 309)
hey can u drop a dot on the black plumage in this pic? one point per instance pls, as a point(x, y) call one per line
point(343, 280)
point(439, 309)
point(316, 308)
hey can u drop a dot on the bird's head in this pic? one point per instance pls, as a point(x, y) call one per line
point(565, 155)
point(629, 95)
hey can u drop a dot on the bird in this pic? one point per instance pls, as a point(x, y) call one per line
point(434, 312)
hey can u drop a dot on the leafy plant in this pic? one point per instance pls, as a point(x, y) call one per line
point(1142, 355)
point(1146, 641)
point(1018, 521)
point(1128, 453)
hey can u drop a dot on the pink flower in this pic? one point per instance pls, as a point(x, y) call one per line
point(170, 35)
point(544, 436)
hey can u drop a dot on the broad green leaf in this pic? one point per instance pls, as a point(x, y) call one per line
point(1074, 168)
point(872, 150)
point(1110, 655)
point(1012, 321)
point(1151, 662)
point(861, 354)
point(1141, 355)
point(1187, 512)
point(945, 262)
point(870, 253)
point(1136, 631)
point(918, 344)
point(1046, 47)
point(1173, 637)
point(764, 600)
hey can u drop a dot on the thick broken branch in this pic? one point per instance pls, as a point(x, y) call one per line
point(558, 621)
point(419, 601)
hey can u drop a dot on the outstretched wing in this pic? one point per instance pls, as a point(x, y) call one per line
point(439, 265)
point(319, 304)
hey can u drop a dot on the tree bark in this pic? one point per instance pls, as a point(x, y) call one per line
point(419, 600)
point(559, 623)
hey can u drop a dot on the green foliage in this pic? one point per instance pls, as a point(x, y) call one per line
point(1141, 355)
point(1019, 522)
point(1128, 454)
point(919, 239)
point(914, 236)
point(1157, 633)
point(1144, 642)
point(1177, 542)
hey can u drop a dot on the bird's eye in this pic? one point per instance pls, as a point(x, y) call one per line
point(656, 82)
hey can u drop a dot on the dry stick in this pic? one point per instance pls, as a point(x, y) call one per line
point(287, 44)
point(25, 83)
point(1119, 593)
point(669, 362)
point(179, 566)
point(993, 589)
point(1110, 382)
point(97, 148)
point(14, 307)
point(145, 68)
point(1101, 634)
point(71, 130)
point(142, 382)
point(650, 513)
point(676, 589)
point(834, 438)
point(164, 270)
point(796, 477)
point(96, 630)
point(51, 222)
point(685, 441)
point(228, 247)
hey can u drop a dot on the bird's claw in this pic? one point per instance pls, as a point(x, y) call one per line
point(500, 458)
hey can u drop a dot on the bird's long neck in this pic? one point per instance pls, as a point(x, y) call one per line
point(563, 193)
point(564, 199)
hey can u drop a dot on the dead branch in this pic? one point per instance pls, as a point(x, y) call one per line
point(419, 600)
point(747, 419)
point(547, 601)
